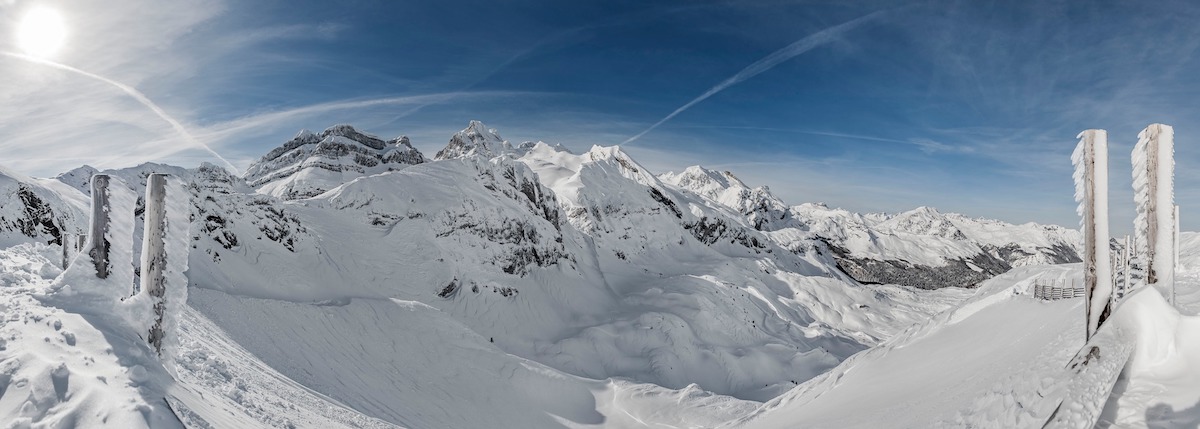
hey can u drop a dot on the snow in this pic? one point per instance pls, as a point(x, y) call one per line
point(964, 378)
point(534, 287)
point(996, 360)
point(1161, 385)
point(65, 368)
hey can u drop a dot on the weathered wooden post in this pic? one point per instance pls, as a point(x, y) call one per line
point(154, 256)
point(1126, 266)
point(101, 210)
point(1153, 183)
point(1091, 192)
point(67, 241)
point(72, 244)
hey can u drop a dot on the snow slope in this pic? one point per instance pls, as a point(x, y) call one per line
point(587, 290)
point(968, 367)
point(996, 359)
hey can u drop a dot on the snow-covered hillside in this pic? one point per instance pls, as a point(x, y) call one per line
point(542, 287)
point(922, 247)
point(1004, 359)
point(38, 210)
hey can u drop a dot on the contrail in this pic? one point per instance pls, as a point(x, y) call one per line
point(788, 52)
point(132, 92)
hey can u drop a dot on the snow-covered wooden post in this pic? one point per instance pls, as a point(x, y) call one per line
point(67, 240)
point(71, 245)
point(101, 210)
point(1091, 192)
point(154, 257)
point(1126, 266)
point(1153, 176)
point(1176, 217)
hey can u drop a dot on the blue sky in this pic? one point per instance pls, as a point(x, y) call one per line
point(968, 106)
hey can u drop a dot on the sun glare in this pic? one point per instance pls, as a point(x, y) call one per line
point(41, 33)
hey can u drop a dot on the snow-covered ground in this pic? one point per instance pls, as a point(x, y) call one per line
point(251, 362)
point(994, 360)
point(532, 287)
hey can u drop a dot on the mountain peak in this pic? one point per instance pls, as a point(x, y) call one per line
point(310, 164)
point(478, 127)
point(304, 134)
point(925, 211)
point(704, 181)
point(475, 139)
point(348, 131)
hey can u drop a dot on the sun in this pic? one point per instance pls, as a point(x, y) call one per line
point(41, 33)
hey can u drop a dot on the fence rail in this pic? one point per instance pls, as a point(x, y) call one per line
point(1053, 292)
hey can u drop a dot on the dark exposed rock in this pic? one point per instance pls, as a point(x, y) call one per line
point(711, 230)
point(39, 220)
point(955, 273)
point(662, 199)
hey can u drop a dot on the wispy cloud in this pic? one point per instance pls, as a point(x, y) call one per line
point(788, 52)
point(133, 93)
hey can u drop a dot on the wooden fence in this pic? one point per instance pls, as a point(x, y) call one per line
point(1052, 291)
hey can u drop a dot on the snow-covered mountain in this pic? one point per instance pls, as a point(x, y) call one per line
point(921, 247)
point(38, 210)
point(310, 164)
point(583, 266)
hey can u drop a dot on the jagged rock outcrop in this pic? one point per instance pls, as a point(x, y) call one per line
point(476, 139)
point(310, 164)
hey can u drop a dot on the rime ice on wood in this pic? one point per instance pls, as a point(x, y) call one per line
point(1176, 243)
point(164, 259)
point(1153, 176)
point(154, 256)
point(103, 270)
point(71, 245)
point(1091, 192)
point(101, 215)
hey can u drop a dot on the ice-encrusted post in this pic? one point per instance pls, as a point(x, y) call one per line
point(1153, 176)
point(71, 245)
point(154, 257)
point(101, 210)
point(1176, 217)
point(1091, 192)
point(1126, 266)
point(165, 248)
